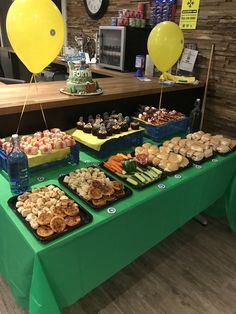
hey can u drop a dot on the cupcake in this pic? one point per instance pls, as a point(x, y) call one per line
point(102, 133)
point(116, 128)
point(80, 124)
point(134, 125)
point(95, 129)
point(124, 126)
point(88, 128)
point(109, 129)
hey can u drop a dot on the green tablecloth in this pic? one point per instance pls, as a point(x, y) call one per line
point(47, 277)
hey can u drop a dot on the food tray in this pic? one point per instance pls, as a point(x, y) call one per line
point(85, 216)
point(177, 171)
point(203, 160)
point(225, 154)
point(158, 132)
point(128, 192)
point(113, 145)
point(139, 186)
point(73, 157)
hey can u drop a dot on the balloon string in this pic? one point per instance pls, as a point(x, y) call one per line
point(24, 105)
point(160, 102)
point(41, 107)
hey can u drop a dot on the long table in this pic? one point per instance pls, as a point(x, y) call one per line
point(48, 277)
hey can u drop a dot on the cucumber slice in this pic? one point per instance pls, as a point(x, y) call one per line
point(156, 170)
point(140, 177)
point(132, 181)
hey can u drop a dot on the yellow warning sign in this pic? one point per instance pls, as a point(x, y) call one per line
point(189, 14)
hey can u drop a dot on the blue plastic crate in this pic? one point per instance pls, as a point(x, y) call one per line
point(115, 145)
point(159, 132)
point(73, 157)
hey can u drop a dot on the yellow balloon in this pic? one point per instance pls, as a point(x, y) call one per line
point(165, 45)
point(35, 29)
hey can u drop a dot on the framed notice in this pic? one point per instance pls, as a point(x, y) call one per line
point(188, 60)
point(189, 14)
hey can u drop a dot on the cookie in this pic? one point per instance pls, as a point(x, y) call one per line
point(58, 224)
point(44, 218)
point(72, 221)
point(44, 231)
point(71, 210)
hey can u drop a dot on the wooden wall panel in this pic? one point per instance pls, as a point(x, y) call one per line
point(216, 25)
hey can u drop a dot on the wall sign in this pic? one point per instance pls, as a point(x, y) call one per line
point(189, 14)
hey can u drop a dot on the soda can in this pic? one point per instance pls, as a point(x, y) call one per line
point(137, 23)
point(142, 23)
point(132, 22)
point(114, 21)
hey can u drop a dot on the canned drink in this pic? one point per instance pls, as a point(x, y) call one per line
point(114, 21)
point(140, 7)
point(120, 13)
point(132, 13)
point(132, 22)
point(142, 23)
point(139, 15)
point(138, 23)
point(126, 13)
point(139, 61)
point(120, 21)
point(125, 21)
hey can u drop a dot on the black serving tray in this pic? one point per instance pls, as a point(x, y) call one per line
point(85, 216)
point(225, 154)
point(127, 191)
point(176, 171)
point(140, 186)
point(203, 160)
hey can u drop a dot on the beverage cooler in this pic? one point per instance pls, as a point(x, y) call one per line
point(118, 46)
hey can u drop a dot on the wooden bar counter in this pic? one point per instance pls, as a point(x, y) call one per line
point(121, 91)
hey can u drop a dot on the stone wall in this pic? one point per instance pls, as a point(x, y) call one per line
point(216, 25)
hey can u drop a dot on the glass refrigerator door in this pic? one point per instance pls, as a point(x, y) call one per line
point(112, 47)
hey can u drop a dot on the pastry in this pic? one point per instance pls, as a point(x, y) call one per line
point(107, 190)
point(182, 143)
point(44, 231)
point(171, 167)
point(206, 137)
point(208, 152)
point(175, 158)
point(58, 224)
point(163, 164)
point(189, 153)
point(197, 148)
point(95, 193)
point(95, 129)
point(58, 211)
point(87, 128)
point(164, 150)
point(146, 145)
point(225, 142)
point(71, 210)
point(162, 156)
point(156, 161)
point(233, 144)
point(119, 193)
point(80, 124)
point(116, 129)
point(72, 221)
point(44, 218)
point(184, 162)
point(99, 202)
point(183, 151)
point(176, 149)
point(134, 125)
point(165, 143)
point(117, 185)
point(223, 149)
point(197, 156)
point(102, 133)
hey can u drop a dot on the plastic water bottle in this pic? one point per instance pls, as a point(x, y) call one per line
point(17, 167)
point(195, 117)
